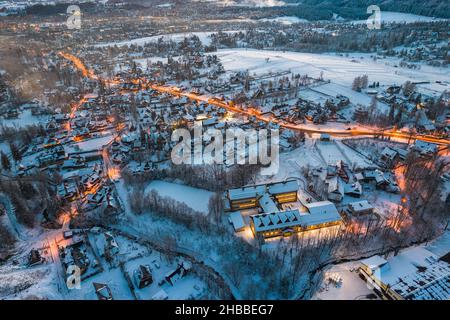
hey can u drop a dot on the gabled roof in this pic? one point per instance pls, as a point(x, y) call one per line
point(246, 192)
point(283, 187)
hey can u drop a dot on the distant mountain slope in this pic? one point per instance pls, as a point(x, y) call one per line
point(357, 8)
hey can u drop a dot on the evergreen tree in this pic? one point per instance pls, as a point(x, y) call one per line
point(6, 164)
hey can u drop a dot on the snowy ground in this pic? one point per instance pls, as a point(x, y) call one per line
point(25, 119)
point(351, 287)
point(286, 20)
point(94, 143)
point(340, 70)
point(401, 17)
point(247, 3)
point(195, 198)
point(440, 246)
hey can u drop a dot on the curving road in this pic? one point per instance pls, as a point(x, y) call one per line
point(308, 128)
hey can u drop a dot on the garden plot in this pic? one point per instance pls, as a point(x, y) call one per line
point(357, 159)
point(331, 153)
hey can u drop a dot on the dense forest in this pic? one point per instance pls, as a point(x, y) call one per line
point(356, 9)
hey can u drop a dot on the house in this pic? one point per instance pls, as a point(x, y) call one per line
point(181, 270)
point(353, 189)
point(335, 189)
point(424, 148)
point(393, 89)
point(275, 224)
point(35, 258)
point(107, 244)
point(111, 243)
point(360, 113)
point(143, 276)
point(102, 291)
point(244, 198)
point(414, 274)
point(388, 156)
point(360, 207)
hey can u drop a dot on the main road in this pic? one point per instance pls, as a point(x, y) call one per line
point(308, 128)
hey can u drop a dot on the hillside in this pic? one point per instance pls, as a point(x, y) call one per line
point(357, 8)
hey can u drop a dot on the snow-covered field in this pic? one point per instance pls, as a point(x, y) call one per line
point(286, 20)
point(340, 70)
point(25, 119)
point(247, 3)
point(91, 144)
point(401, 17)
point(195, 198)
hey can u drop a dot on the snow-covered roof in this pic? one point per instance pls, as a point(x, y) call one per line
point(267, 204)
point(321, 207)
point(283, 187)
point(425, 147)
point(325, 212)
point(246, 192)
point(415, 273)
point(360, 206)
point(236, 220)
point(431, 284)
point(388, 152)
point(374, 262)
point(276, 220)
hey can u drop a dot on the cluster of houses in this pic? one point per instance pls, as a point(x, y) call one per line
point(340, 181)
point(415, 108)
point(89, 187)
point(78, 252)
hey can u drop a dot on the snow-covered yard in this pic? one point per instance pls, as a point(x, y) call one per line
point(349, 287)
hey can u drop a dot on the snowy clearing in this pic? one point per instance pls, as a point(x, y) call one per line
point(287, 20)
point(195, 198)
point(340, 70)
point(401, 17)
